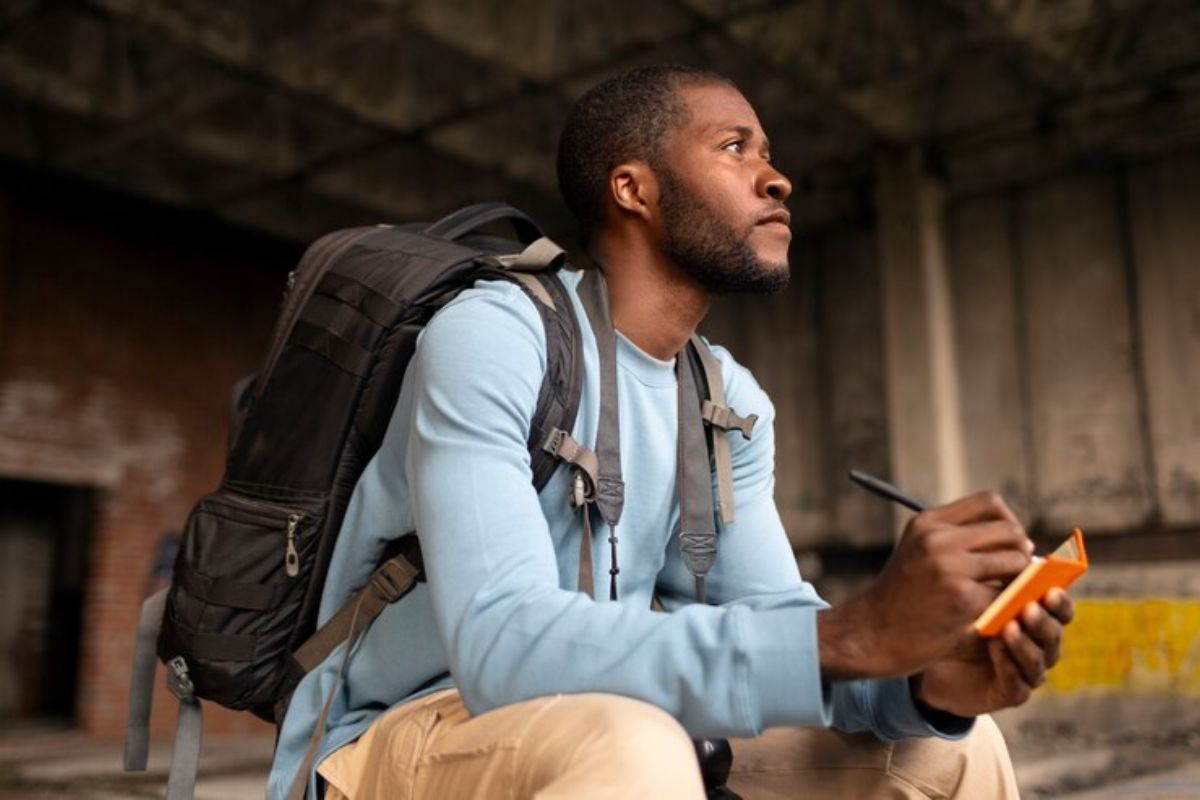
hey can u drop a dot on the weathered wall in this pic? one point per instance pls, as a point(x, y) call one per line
point(1078, 327)
point(117, 343)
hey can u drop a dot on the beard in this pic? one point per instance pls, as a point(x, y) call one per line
point(711, 251)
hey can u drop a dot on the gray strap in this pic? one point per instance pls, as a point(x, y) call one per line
point(141, 684)
point(697, 527)
point(540, 255)
point(586, 581)
point(185, 756)
point(564, 447)
point(727, 419)
point(719, 416)
point(610, 489)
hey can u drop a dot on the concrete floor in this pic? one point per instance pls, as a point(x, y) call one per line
point(42, 762)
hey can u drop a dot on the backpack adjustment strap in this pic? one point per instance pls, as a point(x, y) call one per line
point(719, 417)
point(540, 255)
point(141, 685)
point(185, 756)
point(565, 448)
point(727, 419)
point(390, 581)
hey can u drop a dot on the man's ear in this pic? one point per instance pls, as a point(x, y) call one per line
point(633, 187)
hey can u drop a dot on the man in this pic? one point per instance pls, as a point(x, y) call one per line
point(498, 679)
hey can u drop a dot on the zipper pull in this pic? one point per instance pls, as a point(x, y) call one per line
point(291, 559)
point(178, 679)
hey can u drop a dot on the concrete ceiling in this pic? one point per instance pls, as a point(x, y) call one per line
point(293, 117)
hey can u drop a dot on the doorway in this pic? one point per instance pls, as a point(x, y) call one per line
point(45, 530)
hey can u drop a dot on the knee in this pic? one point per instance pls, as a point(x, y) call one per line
point(977, 765)
point(631, 743)
point(630, 730)
point(985, 746)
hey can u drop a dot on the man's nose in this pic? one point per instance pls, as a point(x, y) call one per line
point(773, 183)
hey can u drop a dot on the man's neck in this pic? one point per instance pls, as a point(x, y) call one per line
point(653, 304)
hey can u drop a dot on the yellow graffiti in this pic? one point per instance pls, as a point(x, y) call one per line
point(1142, 645)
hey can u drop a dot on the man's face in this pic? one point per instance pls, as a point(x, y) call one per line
point(724, 222)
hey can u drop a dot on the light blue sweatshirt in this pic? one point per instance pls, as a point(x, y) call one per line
point(500, 617)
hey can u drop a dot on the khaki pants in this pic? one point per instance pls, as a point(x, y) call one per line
point(578, 747)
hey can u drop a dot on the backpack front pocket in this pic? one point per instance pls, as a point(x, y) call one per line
point(240, 578)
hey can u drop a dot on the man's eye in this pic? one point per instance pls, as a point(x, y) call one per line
point(736, 146)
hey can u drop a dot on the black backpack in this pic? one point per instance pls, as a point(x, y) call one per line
point(237, 626)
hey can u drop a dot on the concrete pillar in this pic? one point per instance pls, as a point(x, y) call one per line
point(924, 423)
point(5, 257)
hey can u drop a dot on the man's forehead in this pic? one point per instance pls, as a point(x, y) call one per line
point(716, 108)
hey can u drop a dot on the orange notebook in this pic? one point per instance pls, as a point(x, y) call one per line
point(1060, 568)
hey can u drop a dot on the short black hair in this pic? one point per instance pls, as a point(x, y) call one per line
point(625, 118)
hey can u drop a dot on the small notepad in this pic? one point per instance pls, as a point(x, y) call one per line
point(1060, 568)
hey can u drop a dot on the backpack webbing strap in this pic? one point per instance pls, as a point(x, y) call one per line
point(185, 756)
point(697, 527)
point(141, 684)
point(610, 489)
point(391, 580)
point(563, 447)
point(541, 254)
point(718, 415)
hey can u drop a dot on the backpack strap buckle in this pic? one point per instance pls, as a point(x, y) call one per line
point(393, 579)
point(564, 447)
point(179, 682)
point(727, 419)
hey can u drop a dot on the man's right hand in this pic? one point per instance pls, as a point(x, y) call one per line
point(944, 572)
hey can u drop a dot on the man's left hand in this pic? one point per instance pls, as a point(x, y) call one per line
point(986, 675)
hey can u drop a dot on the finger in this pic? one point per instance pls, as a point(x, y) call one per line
point(978, 507)
point(995, 565)
point(1044, 629)
point(985, 536)
point(1025, 652)
point(1011, 682)
point(1060, 605)
point(976, 598)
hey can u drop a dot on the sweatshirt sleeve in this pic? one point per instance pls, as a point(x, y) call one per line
point(510, 632)
point(756, 569)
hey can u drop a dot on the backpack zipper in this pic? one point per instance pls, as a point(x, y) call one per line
point(291, 558)
point(291, 555)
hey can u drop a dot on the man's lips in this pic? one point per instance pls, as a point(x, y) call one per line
point(781, 217)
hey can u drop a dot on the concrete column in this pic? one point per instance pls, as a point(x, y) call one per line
point(5, 259)
point(924, 421)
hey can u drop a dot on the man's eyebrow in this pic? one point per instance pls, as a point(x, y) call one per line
point(744, 131)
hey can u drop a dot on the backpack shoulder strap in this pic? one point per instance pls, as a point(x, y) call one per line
point(719, 416)
point(562, 386)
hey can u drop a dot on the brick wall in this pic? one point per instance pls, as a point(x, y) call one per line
point(120, 332)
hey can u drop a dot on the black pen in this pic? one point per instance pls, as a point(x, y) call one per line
point(885, 489)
